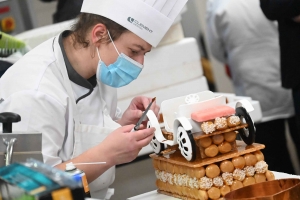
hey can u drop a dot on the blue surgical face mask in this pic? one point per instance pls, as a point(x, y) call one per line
point(119, 73)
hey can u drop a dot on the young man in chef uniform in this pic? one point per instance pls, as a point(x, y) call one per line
point(66, 87)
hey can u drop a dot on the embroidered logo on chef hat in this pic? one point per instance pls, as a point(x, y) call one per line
point(149, 19)
point(130, 19)
point(138, 24)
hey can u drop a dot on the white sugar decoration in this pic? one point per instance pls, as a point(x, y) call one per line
point(157, 174)
point(249, 170)
point(205, 183)
point(239, 174)
point(193, 183)
point(227, 178)
point(170, 178)
point(163, 176)
point(220, 122)
point(261, 167)
point(234, 119)
point(208, 127)
point(218, 181)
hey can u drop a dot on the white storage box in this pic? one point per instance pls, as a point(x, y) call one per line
point(166, 66)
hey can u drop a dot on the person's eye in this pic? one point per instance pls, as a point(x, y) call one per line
point(134, 52)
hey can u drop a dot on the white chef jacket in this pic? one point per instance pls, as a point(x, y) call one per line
point(239, 34)
point(33, 88)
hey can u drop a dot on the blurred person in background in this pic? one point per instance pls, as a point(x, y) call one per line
point(287, 14)
point(242, 38)
point(65, 9)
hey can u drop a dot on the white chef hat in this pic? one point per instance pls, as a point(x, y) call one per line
point(149, 19)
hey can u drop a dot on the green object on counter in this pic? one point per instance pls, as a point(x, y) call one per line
point(10, 42)
point(26, 197)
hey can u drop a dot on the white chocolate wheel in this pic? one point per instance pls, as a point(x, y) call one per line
point(186, 144)
point(248, 133)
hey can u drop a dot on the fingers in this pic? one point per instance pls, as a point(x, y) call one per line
point(141, 103)
point(128, 128)
point(156, 111)
point(144, 142)
point(144, 133)
point(144, 136)
point(144, 123)
point(137, 114)
point(154, 107)
point(146, 101)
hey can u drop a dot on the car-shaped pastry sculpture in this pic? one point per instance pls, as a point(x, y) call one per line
point(203, 119)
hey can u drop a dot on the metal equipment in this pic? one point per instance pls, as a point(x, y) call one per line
point(16, 16)
point(17, 146)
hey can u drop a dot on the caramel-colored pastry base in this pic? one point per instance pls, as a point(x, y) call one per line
point(203, 165)
point(178, 159)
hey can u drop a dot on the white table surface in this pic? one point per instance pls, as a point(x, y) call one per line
point(153, 195)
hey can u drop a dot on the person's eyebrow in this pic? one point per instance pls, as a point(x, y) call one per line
point(141, 47)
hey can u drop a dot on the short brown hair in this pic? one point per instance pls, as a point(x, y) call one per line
point(86, 21)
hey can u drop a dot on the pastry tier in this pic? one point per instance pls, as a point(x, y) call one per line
point(210, 178)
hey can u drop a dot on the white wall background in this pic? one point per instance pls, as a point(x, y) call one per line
point(194, 24)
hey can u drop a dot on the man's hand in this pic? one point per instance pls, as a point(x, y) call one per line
point(135, 110)
point(123, 146)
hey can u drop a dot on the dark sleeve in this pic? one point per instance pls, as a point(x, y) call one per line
point(280, 9)
point(66, 10)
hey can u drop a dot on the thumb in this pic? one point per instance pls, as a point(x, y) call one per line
point(138, 113)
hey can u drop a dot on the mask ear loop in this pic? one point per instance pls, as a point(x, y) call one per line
point(98, 68)
point(98, 54)
point(112, 42)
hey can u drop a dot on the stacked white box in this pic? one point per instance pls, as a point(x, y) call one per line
point(170, 71)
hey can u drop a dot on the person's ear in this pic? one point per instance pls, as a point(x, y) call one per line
point(99, 33)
